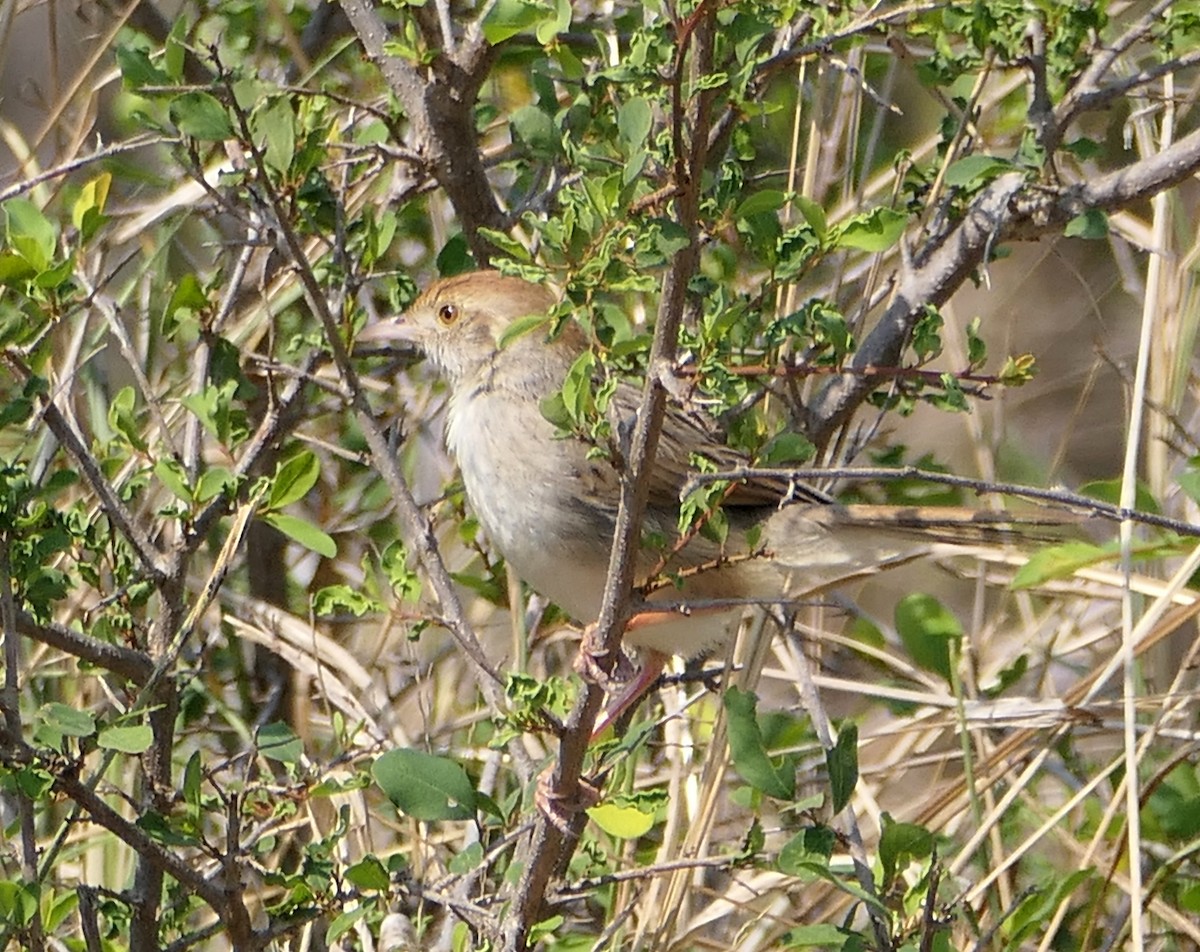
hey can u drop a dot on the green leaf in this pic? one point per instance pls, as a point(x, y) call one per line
point(761, 202)
point(926, 627)
point(369, 873)
point(842, 762)
point(87, 211)
point(174, 51)
point(455, 256)
point(277, 741)
point(976, 170)
point(273, 127)
point(785, 448)
point(343, 923)
point(133, 739)
point(520, 327)
point(506, 243)
point(424, 786)
point(776, 777)
point(634, 121)
point(335, 599)
point(18, 902)
point(67, 720)
point(821, 935)
point(507, 18)
point(577, 387)
point(535, 127)
point(899, 842)
point(814, 214)
point(1061, 561)
point(874, 231)
point(304, 532)
point(171, 474)
point(294, 479)
point(1092, 224)
point(624, 822)
point(201, 116)
point(137, 69)
point(30, 233)
point(811, 845)
point(551, 27)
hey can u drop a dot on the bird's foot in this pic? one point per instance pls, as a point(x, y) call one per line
point(590, 663)
point(559, 808)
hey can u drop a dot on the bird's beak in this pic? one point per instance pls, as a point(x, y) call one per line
point(391, 336)
point(391, 331)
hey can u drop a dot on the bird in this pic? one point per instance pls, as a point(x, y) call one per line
point(547, 500)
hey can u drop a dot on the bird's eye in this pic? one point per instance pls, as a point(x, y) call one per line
point(447, 314)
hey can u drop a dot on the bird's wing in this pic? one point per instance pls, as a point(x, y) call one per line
point(685, 434)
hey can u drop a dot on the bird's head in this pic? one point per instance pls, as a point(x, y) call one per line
point(459, 323)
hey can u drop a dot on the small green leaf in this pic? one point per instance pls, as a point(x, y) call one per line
point(68, 720)
point(1057, 562)
point(424, 786)
point(813, 844)
point(304, 532)
point(133, 739)
point(171, 474)
point(87, 212)
point(536, 129)
point(776, 777)
point(507, 18)
point(277, 741)
point(336, 599)
point(553, 26)
point(874, 231)
point(369, 873)
point(976, 170)
point(273, 126)
point(926, 627)
point(137, 70)
point(1092, 224)
point(842, 762)
point(174, 50)
point(343, 923)
point(787, 448)
point(898, 842)
point(1018, 370)
point(763, 201)
point(506, 243)
point(30, 233)
point(577, 387)
point(624, 822)
point(294, 479)
point(821, 935)
point(18, 902)
point(201, 116)
point(634, 121)
point(814, 214)
point(520, 327)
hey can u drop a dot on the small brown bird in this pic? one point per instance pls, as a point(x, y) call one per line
point(548, 503)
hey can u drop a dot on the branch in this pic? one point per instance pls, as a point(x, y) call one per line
point(417, 531)
point(134, 665)
point(548, 841)
point(1007, 209)
point(440, 104)
point(153, 561)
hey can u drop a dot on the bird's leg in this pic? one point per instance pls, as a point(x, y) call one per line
point(652, 666)
point(625, 685)
point(589, 662)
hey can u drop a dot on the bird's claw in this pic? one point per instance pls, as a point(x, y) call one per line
point(590, 663)
point(562, 808)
